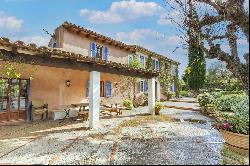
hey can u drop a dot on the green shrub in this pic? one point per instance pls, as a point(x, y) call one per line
point(205, 99)
point(237, 122)
point(158, 105)
point(216, 95)
point(186, 93)
point(128, 104)
point(170, 95)
point(228, 102)
point(242, 107)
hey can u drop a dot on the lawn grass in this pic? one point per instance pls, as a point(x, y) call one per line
point(230, 157)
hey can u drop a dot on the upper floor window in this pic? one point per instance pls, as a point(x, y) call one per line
point(156, 64)
point(142, 60)
point(98, 51)
point(173, 70)
point(130, 59)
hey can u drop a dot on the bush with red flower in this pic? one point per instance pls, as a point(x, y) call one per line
point(237, 122)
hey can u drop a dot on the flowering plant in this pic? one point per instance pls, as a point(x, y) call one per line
point(234, 122)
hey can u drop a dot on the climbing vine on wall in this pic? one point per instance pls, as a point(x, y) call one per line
point(165, 76)
point(149, 63)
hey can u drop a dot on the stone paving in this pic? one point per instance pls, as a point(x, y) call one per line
point(174, 142)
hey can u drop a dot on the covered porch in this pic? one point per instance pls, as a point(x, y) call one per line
point(43, 56)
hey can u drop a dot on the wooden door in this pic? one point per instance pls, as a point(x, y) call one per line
point(13, 99)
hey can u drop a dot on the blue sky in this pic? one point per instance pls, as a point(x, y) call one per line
point(130, 21)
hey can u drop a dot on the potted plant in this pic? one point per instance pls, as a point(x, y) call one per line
point(128, 104)
point(158, 107)
point(235, 130)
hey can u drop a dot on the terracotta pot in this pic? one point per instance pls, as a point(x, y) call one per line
point(238, 141)
point(157, 111)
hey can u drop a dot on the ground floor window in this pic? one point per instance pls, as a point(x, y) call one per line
point(108, 89)
point(105, 89)
point(102, 89)
point(143, 86)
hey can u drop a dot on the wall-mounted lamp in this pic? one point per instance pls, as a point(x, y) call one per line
point(67, 83)
point(116, 84)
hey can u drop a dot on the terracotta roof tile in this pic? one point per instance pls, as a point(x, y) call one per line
point(53, 52)
point(133, 48)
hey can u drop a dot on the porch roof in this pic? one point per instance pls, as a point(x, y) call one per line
point(44, 56)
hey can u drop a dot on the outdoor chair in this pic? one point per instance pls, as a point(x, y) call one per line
point(39, 110)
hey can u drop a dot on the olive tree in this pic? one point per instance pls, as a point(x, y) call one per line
point(219, 21)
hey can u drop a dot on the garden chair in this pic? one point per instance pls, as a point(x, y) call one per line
point(39, 110)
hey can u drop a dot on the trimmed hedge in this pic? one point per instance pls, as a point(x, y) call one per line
point(230, 103)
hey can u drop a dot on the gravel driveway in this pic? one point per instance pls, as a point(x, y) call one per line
point(119, 140)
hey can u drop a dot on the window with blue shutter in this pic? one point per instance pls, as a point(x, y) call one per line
point(87, 89)
point(142, 60)
point(157, 66)
point(108, 89)
point(93, 50)
point(153, 64)
point(106, 53)
point(173, 87)
point(145, 86)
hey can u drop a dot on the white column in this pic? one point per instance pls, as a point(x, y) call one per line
point(158, 94)
point(151, 95)
point(94, 99)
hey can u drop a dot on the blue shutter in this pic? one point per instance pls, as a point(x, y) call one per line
point(145, 86)
point(142, 60)
point(106, 53)
point(28, 101)
point(87, 90)
point(157, 65)
point(108, 89)
point(93, 50)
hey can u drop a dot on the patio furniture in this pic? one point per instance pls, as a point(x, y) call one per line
point(60, 112)
point(111, 109)
point(83, 110)
point(39, 110)
point(67, 109)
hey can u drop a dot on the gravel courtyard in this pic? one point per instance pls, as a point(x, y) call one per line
point(176, 137)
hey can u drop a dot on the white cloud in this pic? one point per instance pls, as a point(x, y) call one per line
point(10, 23)
point(167, 18)
point(105, 17)
point(133, 8)
point(123, 11)
point(38, 40)
point(84, 12)
point(148, 37)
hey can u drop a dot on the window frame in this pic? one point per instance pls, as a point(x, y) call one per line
point(130, 57)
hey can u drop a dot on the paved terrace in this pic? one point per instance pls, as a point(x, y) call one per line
point(133, 138)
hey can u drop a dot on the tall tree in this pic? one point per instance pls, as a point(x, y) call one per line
point(197, 64)
point(196, 58)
